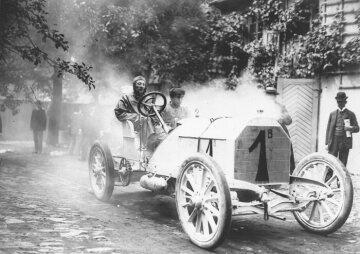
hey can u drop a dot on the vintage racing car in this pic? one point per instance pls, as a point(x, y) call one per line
point(224, 167)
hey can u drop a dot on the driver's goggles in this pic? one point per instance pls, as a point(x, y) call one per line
point(140, 83)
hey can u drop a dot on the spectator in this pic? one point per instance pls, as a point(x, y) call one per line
point(89, 130)
point(38, 125)
point(74, 132)
point(0, 127)
point(342, 123)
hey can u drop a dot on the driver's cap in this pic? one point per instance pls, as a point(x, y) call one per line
point(138, 78)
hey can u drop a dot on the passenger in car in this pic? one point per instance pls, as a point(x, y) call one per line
point(174, 111)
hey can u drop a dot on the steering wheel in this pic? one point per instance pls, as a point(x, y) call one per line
point(148, 101)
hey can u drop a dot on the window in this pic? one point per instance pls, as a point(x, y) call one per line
point(255, 29)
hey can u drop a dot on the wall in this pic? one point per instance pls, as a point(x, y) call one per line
point(330, 85)
point(17, 127)
point(349, 8)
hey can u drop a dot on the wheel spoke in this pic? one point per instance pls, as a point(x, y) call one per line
point(199, 178)
point(99, 182)
point(191, 180)
point(209, 187)
point(213, 210)
point(325, 171)
point(327, 209)
point(103, 182)
point(198, 222)
point(336, 190)
point(192, 215)
point(328, 182)
point(187, 190)
point(186, 204)
point(205, 225)
point(211, 220)
point(212, 198)
point(321, 215)
point(334, 202)
point(313, 210)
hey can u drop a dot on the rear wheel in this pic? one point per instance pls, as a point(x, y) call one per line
point(329, 213)
point(101, 171)
point(124, 172)
point(203, 201)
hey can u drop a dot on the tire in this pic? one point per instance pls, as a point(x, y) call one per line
point(205, 212)
point(101, 171)
point(327, 215)
point(124, 178)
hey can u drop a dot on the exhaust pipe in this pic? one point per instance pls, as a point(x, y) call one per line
point(153, 183)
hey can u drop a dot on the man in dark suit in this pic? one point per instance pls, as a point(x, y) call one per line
point(38, 125)
point(342, 123)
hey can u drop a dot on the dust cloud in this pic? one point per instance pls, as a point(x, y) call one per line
point(247, 101)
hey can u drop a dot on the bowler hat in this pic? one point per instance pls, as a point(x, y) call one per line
point(341, 96)
point(177, 92)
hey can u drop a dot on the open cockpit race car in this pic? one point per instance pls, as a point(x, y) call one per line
point(224, 167)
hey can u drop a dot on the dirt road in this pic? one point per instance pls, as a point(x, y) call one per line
point(46, 207)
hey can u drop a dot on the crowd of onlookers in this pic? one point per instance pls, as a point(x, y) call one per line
point(84, 129)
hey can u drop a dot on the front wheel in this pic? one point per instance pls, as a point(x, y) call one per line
point(327, 214)
point(203, 201)
point(101, 171)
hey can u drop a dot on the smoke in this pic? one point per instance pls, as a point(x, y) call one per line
point(211, 99)
point(247, 101)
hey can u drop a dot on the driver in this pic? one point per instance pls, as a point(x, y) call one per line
point(126, 108)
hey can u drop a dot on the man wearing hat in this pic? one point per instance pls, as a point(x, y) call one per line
point(38, 125)
point(174, 112)
point(342, 123)
point(126, 108)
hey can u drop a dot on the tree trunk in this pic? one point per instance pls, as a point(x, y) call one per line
point(54, 112)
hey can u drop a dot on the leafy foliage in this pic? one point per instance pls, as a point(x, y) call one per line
point(273, 15)
point(24, 31)
point(262, 61)
point(175, 40)
point(226, 38)
point(321, 50)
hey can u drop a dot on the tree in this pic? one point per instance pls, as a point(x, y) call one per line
point(25, 34)
point(25, 21)
point(178, 40)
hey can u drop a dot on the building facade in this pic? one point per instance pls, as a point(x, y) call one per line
point(310, 101)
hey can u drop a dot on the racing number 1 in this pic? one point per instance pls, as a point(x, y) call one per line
point(262, 174)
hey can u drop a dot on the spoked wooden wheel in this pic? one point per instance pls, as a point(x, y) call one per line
point(329, 212)
point(203, 201)
point(124, 172)
point(101, 171)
